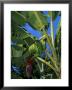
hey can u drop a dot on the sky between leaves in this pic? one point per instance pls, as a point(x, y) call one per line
point(37, 33)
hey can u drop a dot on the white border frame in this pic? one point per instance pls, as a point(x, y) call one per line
point(64, 8)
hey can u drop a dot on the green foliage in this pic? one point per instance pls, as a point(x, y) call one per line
point(15, 76)
point(35, 19)
point(17, 18)
point(54, 14)
point(25, 45)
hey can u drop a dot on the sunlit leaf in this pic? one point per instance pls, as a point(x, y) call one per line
point(36, 19)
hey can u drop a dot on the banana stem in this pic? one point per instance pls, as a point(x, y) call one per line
point(48, 64)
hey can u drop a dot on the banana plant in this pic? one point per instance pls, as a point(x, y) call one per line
point(25, 45)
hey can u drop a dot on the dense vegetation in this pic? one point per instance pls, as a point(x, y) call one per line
point(30, 56)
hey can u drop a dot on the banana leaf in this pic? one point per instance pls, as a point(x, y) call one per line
point(22, 37)
point(35, 19)
point(18, 18)
point(17, 61)
point(14, 28)
point(54, 14)
point(16, 51)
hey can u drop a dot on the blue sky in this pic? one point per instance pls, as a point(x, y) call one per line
point(32, 31)
point(37, 33)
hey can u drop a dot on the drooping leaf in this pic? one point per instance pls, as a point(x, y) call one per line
point(18, 18)
point(17, 61)
point(17, 51)
point(22, 37)
point(14, 28)
point(40, 46)
point(27, 45)
point(33, 49)
point(36, 19)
